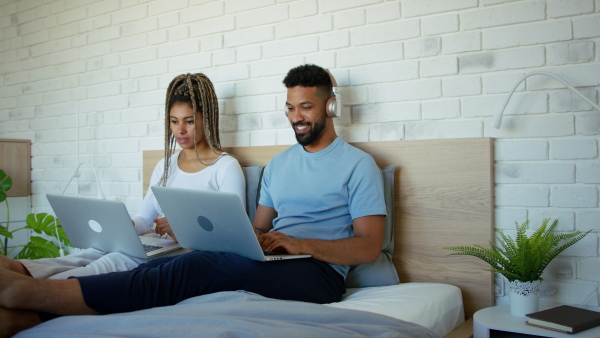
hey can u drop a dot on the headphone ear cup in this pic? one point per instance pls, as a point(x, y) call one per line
point(334, 104)
point(331, 107)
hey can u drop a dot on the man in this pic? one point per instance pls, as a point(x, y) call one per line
point(321, 197)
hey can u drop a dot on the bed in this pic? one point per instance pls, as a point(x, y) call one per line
point(442, 196)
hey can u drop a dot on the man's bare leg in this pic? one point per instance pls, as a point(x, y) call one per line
point(60, 297)
point(13, 265)
point(15, 321)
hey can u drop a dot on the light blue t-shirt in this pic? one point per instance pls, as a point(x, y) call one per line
point(317, 195)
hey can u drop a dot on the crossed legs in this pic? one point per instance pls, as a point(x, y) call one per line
point(21, 297)
point(165, 281)
point(13, 265)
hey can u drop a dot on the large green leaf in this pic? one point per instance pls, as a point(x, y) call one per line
point(48, 225)
point(5, 185)
point(4, 232)
point(38, 248)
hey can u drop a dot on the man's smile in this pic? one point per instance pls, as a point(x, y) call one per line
point(300, 128)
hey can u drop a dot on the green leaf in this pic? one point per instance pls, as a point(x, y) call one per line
point(48, 225)
point(5, 185)
point(525, 257)
point(38, 248)
point(4, 232)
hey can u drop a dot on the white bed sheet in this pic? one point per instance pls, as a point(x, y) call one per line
point(436, 306)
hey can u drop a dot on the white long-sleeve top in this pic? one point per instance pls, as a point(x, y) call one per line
point(225, 175)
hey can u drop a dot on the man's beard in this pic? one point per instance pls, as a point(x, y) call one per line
point(315, 131)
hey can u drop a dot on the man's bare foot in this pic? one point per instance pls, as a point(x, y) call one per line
point(61, 297)
point(11, 284)
point(15, 321)
point(13, 265)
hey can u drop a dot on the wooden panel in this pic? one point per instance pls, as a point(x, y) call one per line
point(244, 155)
point(465, 330)
point(15, 160)
point(443, 197)
point(149, 159)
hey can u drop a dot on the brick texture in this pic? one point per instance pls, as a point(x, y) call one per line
point(86, 81)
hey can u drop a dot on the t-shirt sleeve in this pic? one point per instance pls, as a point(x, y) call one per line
point(231, 179)
point(265, 196)
point(365, 190)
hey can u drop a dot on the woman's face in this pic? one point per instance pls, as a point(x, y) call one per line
point(182, 125)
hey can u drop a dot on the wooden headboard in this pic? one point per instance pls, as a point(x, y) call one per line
point(443, 197)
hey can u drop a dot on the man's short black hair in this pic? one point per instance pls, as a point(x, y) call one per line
point(309, 76)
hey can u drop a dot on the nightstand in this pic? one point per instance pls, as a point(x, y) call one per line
point(496, 321)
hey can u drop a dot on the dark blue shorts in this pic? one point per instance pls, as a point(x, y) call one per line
point(169, 280)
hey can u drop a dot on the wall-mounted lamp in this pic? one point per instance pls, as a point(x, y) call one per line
point(496, 120)
point(99, 195)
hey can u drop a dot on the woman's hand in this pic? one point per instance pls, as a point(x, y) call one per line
point(162, 227)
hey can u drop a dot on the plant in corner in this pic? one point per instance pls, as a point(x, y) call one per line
point(41, 223)
point(522, 260)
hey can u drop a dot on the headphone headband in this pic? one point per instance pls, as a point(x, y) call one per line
point(333, 107)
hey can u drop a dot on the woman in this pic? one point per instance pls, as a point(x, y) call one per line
point(192, 122)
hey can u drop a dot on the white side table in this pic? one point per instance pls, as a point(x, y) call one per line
point(496, 321)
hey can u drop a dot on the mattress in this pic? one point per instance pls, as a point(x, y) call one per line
point(403, 310)
point(436, 306)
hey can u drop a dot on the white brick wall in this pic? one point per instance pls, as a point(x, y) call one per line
point(408, 69)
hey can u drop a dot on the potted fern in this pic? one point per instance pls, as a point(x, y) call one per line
point(522, 260)
point(41, 223)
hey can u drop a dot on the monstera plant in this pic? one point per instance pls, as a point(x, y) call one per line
point(42, 223)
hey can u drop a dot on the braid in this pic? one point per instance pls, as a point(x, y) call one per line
point(197, 90)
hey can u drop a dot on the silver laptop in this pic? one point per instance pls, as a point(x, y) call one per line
point(105, 225)
point(212, 221)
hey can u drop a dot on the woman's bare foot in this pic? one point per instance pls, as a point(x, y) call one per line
point(15, 321)
point(13, 265)
point(5, 262)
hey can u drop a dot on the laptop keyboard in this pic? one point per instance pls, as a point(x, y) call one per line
point(149, 248)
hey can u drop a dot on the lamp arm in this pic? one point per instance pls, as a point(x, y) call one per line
point(100, 195)
point(71, 179)
point(497, 118)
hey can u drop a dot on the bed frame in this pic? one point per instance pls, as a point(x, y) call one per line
point(443, 197)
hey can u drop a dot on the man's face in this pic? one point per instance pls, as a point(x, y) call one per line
point(306, 113)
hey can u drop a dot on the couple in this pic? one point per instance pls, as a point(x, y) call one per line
point(321, 197)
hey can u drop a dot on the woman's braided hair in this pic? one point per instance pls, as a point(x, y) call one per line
point(196, 90)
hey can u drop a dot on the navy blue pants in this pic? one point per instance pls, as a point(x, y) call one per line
point(169, 280)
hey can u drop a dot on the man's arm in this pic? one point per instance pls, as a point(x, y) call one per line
point(263, 219)
point(364, 247)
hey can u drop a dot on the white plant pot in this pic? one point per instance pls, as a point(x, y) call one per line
point(524, 297)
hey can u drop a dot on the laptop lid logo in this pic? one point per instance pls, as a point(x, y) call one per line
point(205, 223)
point(95, 226)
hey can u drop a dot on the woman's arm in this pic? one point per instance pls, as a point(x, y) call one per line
point(231, 179)
point(144, 219)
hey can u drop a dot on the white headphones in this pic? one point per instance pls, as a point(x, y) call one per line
point(334, 103)
point(333, 107)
